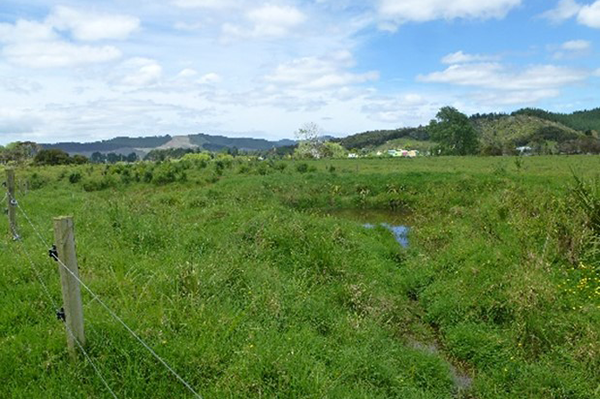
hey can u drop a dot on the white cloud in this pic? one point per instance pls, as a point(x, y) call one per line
point(576, 45)
point(209, 4)
point(501, 85)
point(26, 31)
point(462, 58)
point(506, 98)
point(139, 73)
point(401, 110)
point(573, 49)
point(399, 12)
point(499, 77)
point(16, 122)
point(564, 10)
point(209, 78)
point(312, 73)
point(590, 15)
point(53, 54)
point(20, 85)
point(186, 73)
point(272, 20)
point(266, 21)
point(89, 26)
point(36, 44)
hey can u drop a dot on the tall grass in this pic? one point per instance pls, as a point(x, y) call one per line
point(245, 279)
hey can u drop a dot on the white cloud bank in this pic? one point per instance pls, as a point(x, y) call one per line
point(394, 12)
point(586, 14)
point(502, 84)
point(268, 21)
point(462, 58)
point(314, 73)
point(92, 26)
point(38, 44)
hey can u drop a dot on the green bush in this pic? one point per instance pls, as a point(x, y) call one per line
point(36, 181)
point(302, 167)
point(74, 177)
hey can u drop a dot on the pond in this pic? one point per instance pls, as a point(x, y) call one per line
point(393, 221)
point(400, 232)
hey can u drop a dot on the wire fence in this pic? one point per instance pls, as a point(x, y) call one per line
point(95, 297)
point(56, 308)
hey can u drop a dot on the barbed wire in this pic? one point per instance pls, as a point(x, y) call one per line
point(95, 297)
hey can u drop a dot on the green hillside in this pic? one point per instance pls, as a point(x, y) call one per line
point(375, 138)
point(507, 132)
point(579, 120)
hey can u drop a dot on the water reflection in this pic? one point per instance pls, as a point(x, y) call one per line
point(370, 218)
point(400, 232)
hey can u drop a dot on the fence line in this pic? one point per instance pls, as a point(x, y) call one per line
point(95, 297)
point(89, 359)
point(35, 229)
point(55, 305)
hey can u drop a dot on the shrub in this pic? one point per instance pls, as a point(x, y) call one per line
point(95, 185)
point(36, 181)
point(74, 177)
point(280, 166)
point(302, 167)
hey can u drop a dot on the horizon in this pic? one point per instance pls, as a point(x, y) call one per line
point(74, 72)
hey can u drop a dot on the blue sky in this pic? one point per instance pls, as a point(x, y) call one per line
point(83, 70)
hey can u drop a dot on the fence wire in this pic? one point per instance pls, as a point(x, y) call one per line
point(55, 306)
point(95, 297)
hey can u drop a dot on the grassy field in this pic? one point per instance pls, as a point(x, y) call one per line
point(253, 279)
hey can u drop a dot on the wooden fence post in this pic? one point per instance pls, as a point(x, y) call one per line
point(12, 205)
point(64, 237)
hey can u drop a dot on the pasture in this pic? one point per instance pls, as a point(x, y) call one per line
point(258, 279)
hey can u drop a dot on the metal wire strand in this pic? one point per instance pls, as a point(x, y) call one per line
point(35, 229)
point(89, 359)
point(110, 311)
point(38, 274)
point(54, 304)
point(137, 337)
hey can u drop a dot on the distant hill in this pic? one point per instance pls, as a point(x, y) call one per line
point(371, 139)
point(579, 120)
point(143, 145)
point(501, 134)
point(498, 133)
point(111, 145)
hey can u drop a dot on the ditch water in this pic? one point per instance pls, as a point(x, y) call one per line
point(370, 219)
point(394, 222)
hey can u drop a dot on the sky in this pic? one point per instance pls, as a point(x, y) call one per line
point(78, 70)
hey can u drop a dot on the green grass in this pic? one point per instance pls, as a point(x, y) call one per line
point(250, 281)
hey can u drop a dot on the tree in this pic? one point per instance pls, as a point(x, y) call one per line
point(111, 157)
point(79, 159)
point(98, 157)
point(19, 151)
point(330, 149)
point(453, 132)
point(309, 137)
point(52, 157)
point(132, 157)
